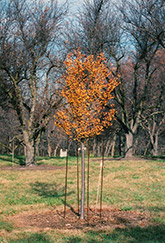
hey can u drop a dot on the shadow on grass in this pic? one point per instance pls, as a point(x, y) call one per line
point(52, 159)
point(34, 238)
point(18, 159)
point(52, 190)
point(49, 190)
point(21, 160)
point(156, 209)
point(152, 234)
point(6, 226)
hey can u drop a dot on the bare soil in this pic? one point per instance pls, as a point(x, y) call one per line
point(54, 219)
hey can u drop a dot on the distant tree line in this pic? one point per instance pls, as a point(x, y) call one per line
point(35, 39)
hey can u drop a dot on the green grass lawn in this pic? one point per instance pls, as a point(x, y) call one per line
point(137, 186)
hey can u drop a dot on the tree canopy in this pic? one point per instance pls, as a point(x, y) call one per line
point(87, 90)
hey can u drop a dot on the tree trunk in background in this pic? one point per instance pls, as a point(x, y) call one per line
point(154, 141)
point(24, 149)
point(30, 151)
point(36, 149)
point(82, 181)
point(55, 151)
point(94, 147)
point(129, 145)
point(13, 149)
point(49, 147)
point(98, 149)
point(108, 147)
point(57, 146)
point(120, 144)
point(113, 146)
point(22, 57)
point(30, 156)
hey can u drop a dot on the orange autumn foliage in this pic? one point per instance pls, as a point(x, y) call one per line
point(87, 90)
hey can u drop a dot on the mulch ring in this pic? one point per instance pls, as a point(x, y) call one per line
point(110, 218)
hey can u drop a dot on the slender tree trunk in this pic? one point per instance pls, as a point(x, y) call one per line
point(102, 168)
point(113, 146)
point(24, 150)
point(13, 149)
point(94, 147)
point(78, 204)
point(88, 182)
point(98, 149)
point(107, 147)
point(129, 145)
point(120, 144)
point(57, 146)
point(66, 179)
point(49, 148)
point(55, 152)
point(37, 149)
point(146, 147)
point(82, 181)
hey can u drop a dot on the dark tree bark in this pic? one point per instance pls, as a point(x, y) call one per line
point(29, 62)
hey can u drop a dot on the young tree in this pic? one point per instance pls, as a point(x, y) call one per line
point(29, 60)
point(87, 91)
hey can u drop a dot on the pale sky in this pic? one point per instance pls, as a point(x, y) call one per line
point(73, 4)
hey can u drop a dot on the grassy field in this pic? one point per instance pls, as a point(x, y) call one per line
point(135, 186)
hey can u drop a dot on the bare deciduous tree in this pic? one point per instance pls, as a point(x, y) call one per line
point(29, 59)
point(130, 34)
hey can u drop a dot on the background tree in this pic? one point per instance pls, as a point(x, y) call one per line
point(151, 16)
point(34, 41)
point(153, 117)
point(138, 19)
point(10, 134)
point(29, 58)
point(124, 32)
